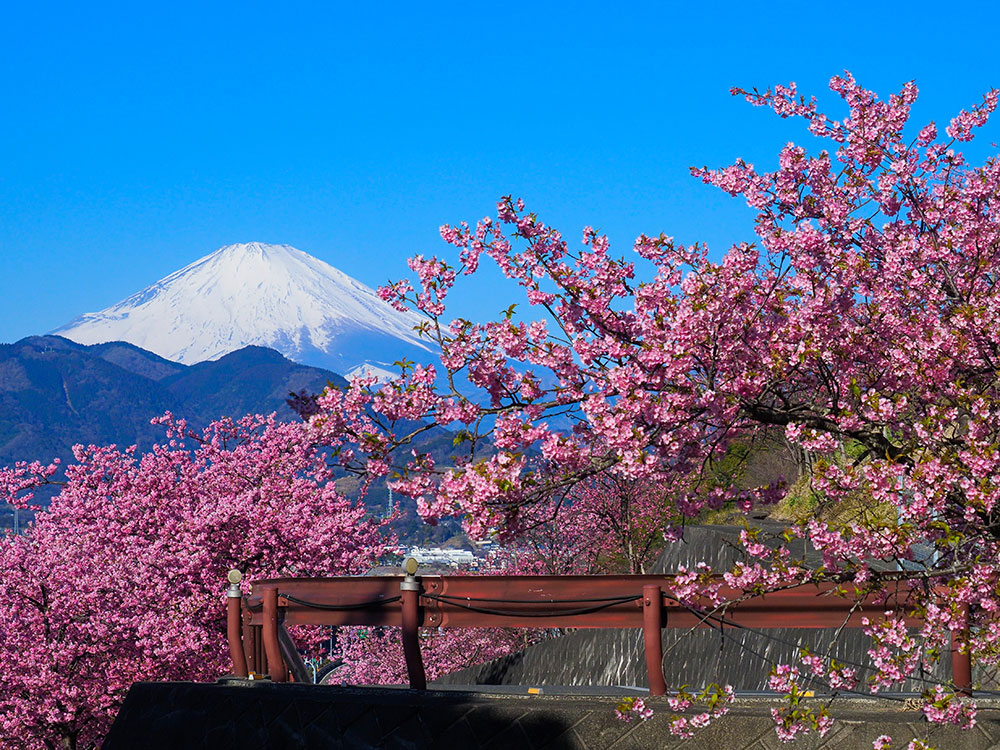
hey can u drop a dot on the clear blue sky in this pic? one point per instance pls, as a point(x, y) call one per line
point(138, 137)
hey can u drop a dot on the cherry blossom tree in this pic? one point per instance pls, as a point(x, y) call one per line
point(121, 578)
point(606, 524)
point(864, 313)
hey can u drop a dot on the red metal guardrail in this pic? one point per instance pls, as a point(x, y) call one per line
point(259, 641)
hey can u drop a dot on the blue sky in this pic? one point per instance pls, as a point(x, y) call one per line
point(138, 137)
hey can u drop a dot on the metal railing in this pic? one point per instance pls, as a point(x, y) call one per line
point(259, 642)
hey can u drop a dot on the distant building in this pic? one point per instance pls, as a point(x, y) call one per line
point(453, 558)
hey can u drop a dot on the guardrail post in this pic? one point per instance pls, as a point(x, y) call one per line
point(234, 624)
point(961, 664)
point(250, 648)
point(410, 594)
point(272, 648)
point(652, 625)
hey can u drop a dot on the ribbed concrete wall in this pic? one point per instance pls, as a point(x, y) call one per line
point(616, 657)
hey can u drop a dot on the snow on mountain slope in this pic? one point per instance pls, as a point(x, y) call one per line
point(268, 295)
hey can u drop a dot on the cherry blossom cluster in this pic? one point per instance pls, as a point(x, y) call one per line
point(711, 703)
point(630, 707)
point(797, 717)
point(836, 675)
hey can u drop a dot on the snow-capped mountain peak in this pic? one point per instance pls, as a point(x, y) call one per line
point(256, 293)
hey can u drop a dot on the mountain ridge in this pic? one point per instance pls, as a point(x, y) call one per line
point(55, 393)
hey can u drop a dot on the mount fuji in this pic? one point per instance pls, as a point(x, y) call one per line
point(265, 295)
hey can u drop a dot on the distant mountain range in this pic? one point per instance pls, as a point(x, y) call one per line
point(264, 295)
point(55, 393)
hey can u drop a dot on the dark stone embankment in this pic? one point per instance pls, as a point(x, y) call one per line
point(261, 715)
